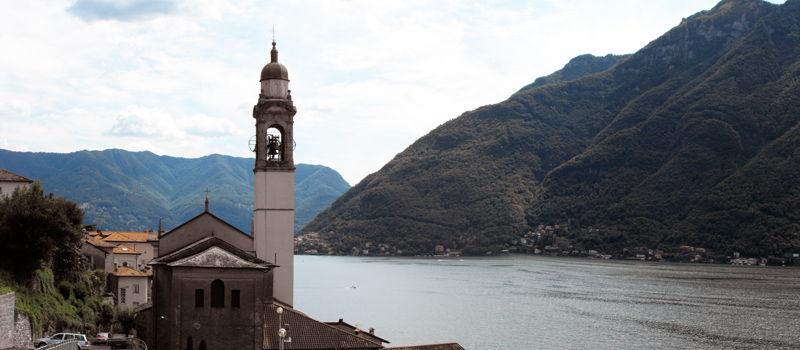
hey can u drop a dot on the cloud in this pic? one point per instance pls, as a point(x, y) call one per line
point(14, 108)
point(138, 121)
point(143, 121)
point(121, 10)
point(202, 125)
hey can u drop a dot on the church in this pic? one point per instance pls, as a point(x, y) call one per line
point(213, 283)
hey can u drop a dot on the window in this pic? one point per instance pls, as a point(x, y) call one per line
point(217, 294)
point(235, 298)
point(135, 288)
point(122, 296)
point(199, 298)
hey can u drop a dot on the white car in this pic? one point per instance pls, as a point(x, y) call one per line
point(59, 337)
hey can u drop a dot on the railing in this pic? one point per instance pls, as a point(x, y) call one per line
point(71, 344)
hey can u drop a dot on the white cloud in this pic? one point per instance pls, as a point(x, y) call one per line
point(14, 108)
point(143, 121)
point(203, 125)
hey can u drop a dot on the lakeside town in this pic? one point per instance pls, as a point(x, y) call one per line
point(544, 240)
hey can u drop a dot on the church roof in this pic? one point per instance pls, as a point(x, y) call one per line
point(200, 254)
point(357, 331)
point(443, 346)
point(7, 176)
point(127, 271)
point(308, 333)
point(123, 249)
point(204, 214)
point(216, 257)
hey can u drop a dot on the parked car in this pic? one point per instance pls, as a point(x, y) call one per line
point(59, 337)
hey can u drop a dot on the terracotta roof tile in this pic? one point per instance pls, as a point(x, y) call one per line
point(308, 333)
point(126, 236)
point(123, 249)
point(7, 176)
point(97, 242)
point(127, 271)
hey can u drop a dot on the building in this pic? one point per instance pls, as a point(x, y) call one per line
point(99, 253)
point(273, 215)
point(213, 283)
point(10, 181)
point(130, 287)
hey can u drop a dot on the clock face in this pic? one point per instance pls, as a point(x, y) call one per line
point(294, 145)
point(252, 143)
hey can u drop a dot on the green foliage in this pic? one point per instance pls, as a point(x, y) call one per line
point(692, 140)
point(38, 231)
point(121, 190)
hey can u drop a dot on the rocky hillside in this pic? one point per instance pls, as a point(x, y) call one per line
point(692, 140)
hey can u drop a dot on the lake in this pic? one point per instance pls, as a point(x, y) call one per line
point(539, 302)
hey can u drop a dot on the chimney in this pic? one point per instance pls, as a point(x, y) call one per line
point(371, 330)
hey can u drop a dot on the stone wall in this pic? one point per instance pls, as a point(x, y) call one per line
point(22, 332)
point(7, 320)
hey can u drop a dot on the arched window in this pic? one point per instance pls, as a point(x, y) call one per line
point(217, 294)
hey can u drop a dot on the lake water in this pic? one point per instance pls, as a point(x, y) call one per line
point(536, 302)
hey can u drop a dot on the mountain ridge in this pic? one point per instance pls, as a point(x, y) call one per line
point(122, 190)
point(630, 156)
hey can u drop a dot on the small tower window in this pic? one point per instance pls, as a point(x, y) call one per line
point(217, 294)
point(199, 298)
point(235, 295)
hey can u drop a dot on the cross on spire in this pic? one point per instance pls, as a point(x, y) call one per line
point(206, 191)
point(273, 33)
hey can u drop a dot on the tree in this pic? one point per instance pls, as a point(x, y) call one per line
point(127, 320)
point(38, 230)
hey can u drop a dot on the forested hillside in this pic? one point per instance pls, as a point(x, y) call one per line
point(121, 190)
point(692, 140)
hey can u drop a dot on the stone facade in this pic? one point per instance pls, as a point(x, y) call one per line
point(22, 332)
point(7, 320)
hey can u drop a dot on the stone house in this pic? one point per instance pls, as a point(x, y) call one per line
point(10, 181)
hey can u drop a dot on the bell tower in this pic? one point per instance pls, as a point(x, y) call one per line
point(273, 214)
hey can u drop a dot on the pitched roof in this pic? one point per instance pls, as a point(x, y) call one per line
point(204, 214)
point(216, 257)
point(97, 242)
point(127, 271)
point(308, 333)
point(357, 331)
point(123, 249)
point(201, 247)
point(7, 176)
point(125, 236)
point(443, 346)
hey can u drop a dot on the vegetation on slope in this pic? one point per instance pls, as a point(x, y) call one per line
point(41, 261)
point(690, 141)
point(121, 190)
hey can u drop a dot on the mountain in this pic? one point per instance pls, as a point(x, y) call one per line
point(121, 190)
point(692, 140)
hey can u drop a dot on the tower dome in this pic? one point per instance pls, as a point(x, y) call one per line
point(274, 79)
point(274, 70)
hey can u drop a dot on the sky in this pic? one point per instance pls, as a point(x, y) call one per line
point(368, 78)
